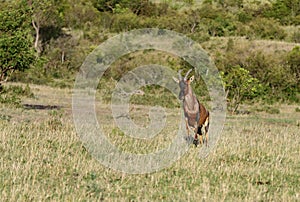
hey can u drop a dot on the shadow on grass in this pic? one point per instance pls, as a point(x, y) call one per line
point(41, 107)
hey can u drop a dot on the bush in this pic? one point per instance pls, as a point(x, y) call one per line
point(271, 70)
point(244, 17)
point(16, 51)
point(295, 36)
point(293, 60)
point(217, 20)
point(125, 22)
point(239, 86)
point(266, 29)
point(11, 95)
point(286, 11)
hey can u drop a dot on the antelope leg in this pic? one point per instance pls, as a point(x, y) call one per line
point(196, 131)
point(201, 139)
point(187, 127)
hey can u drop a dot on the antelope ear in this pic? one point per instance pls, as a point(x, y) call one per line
point(175, 79)
point(192, 79)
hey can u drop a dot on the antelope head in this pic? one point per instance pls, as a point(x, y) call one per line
point(184, 83)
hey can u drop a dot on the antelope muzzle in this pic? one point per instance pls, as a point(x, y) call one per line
point(183, 87)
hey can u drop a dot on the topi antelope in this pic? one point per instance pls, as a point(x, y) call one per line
point(196, 115)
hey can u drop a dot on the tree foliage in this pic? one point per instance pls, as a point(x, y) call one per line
point(47, 19)
point(286, 11)
point(239, 86)
point(16, 52)
point(65, 32)
point(119, 6)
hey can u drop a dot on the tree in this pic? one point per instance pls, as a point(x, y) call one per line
point(47, 20)
point(16, 52)
point(239, 86)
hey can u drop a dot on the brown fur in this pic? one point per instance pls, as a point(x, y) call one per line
point(196, 115)
point(204, 114)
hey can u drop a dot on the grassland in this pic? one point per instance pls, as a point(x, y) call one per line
point(43, 159)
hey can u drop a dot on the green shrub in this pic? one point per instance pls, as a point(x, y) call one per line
point(286, 11)
point(296, 36)
point(11, 100)
point(244, 17)
point(239, 86)
point(217, 20)
point(125, 22)
point(266, 29)
point(11, 95)
point(275, 73)
point(20, 91)
point(293, 60)
point(16, 50)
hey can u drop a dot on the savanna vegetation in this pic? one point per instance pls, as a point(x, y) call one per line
point(45, 42)
point(42, 157)
point(254, 44)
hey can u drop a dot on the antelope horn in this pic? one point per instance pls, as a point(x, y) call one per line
point(179, 74)
point(185, 78)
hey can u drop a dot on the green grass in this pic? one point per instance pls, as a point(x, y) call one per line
point(42, 158)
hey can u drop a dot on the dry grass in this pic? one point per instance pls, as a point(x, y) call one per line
point(257, 159)
point(248, 46)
